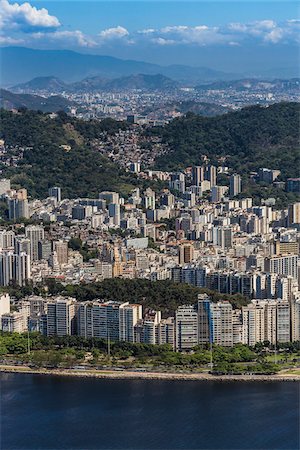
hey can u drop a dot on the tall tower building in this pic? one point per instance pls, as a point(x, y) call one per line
point(197, 175)
point(114, 213)
point(129, 315)
point(55, 192)
point(61, 249)
point(7, 239)
point(235, 185)
point(186, 327)
point(34, 233)
point(186, 253)
point(294, 214)
point(61, 317)
point(14, 267)
point(211, 175)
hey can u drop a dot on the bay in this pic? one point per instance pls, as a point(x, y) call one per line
point(45, 412)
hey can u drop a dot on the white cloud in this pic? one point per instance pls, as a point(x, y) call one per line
point(65, 38)
point(25, 17)
point(26, 24)
point(162, 41)
point(114, 33)
point(267, 31)
point(181, 34)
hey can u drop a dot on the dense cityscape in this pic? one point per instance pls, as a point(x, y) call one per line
point(149, 225)
point(200, 234)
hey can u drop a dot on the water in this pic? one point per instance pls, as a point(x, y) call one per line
point(44, 412)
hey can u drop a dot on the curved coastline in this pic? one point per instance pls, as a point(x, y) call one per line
point(127, 374)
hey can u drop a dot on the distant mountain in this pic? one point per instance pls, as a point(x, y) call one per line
point(140, 81)
point(89, 84)
point(252, 84)
point(156, 82)
point(54, 103)
point(50, 84)
point(20, 64)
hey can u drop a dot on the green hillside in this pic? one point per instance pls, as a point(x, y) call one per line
point(79, 170)
point(251, 138)
point(54, 103)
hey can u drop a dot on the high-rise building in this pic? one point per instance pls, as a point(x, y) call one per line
point(218, 193)
point(146, 330)
point(100, 319)
point(295, 320)
point(61, 249)
point(235, 185)
point(197, 175)
point(44, 249)
point(271, 321)
point(129, 315)
point(211, 175)
point(115, 213)
point(294, 214)
point(34, 233)
point(186, 253)
point(61, 314)
point(283, 322)
point(18, 209)
point(14, 268)
point(22, 245)
point(55, 192)
point(13, 322)
point(222, 236)
point(148, 199)
point(4, 304)
point(215, 322)
point(186, 319)
point(283, 265)
point(166, 332)
point(7, 239)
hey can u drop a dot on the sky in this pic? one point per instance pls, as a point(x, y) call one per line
point(224, 35)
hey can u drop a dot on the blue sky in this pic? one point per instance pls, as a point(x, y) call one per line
point(227, 35)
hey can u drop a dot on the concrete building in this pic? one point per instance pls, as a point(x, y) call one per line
point(14, 268)
point(235, 186)
point(61, 317)
point(129, 316)
point(34, 233)
point(55, 192)
point(186, 327)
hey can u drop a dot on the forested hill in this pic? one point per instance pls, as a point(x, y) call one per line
point(251, 138)
point(57, 151)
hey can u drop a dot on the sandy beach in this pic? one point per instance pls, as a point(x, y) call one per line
point(128, 374)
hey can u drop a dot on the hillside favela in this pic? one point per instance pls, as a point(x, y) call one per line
point(149, 225)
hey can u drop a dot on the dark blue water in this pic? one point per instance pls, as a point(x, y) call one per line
point(44, 412)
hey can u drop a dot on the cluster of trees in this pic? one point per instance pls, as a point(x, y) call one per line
point(80, 171)
point(68, 351)
point(77, 244)
point(163, 295)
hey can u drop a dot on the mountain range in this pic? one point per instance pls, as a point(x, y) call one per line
point(20, 64)
point(140, 81)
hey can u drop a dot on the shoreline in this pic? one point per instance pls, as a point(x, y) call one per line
point(113, 375)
